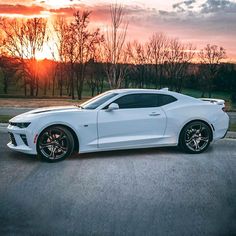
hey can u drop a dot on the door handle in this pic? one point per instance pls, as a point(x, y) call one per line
point(154, 114)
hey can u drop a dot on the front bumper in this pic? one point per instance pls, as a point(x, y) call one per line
point(17, 143)
point(21, 148)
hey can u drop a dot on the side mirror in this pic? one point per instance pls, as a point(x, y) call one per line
point(113, 106)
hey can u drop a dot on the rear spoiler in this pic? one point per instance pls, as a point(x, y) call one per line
point(213, 100)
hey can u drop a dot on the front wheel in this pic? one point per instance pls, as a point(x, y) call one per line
point(55, 143)
point(195, 137)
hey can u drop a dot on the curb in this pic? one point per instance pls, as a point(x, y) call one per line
point(3, 129)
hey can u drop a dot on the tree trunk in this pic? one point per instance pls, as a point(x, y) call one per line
point(80, 89)
point(37, 87)
point(45, 88)
point(60, 82)
point(5, 81)
point(53, 86)
point(31, 89)
point(160, 79)
point(156, 79)
point(72, 82)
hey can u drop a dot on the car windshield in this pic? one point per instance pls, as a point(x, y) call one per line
point(95, 102)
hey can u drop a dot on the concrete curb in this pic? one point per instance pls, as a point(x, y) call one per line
point(3, 129)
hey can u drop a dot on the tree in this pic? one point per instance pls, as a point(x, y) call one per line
point(114, 47)
point(95, 78)
point(58, 51)
point(79, 44)
point(23, 39)
point(139, 55)
point(87, 41)
point(211, 56)
point(9, 68)
point(158, 45)
point(178, 58)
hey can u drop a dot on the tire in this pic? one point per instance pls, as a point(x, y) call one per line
point(55, 143)
point(195, 137)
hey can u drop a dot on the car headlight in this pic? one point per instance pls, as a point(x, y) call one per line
point(20, 124)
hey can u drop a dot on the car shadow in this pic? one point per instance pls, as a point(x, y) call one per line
point(128, 152)
point(134, 153)
point(17, 156)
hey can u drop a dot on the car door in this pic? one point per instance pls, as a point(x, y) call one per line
point(138, 122)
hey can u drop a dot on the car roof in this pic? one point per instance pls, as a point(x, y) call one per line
point(136, 90)
point(162, 91)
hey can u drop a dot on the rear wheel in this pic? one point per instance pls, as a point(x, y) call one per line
point(195, 137)
point(55, 143)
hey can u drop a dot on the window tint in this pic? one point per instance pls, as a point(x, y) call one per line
point(137, 101)
point(143, 100)
point(164, 99)
point(98, 100)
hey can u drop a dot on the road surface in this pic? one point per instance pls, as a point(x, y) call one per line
point(158, 191)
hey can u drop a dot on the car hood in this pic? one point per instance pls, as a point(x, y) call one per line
point(43, 112)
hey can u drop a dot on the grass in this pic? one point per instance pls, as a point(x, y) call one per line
point(5, 118)
point(232, 127)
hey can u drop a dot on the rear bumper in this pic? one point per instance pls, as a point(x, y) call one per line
point(221, 125)
point(224, 134)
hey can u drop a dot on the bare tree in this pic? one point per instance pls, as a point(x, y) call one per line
point(211, 56)
point(71, 54)
point(79, 43)
point(23, 39)
point(178, 58)
point(8, 67)
point(58, 51)
point(158, 45)
point(114, 45)
point(87, 40)
point(95, 78)
point(139, 55)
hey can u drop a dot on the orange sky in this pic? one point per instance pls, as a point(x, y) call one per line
point(197, 21)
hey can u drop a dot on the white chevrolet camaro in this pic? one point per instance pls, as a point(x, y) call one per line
point(120, 119)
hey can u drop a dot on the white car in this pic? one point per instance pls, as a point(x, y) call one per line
point(120, 119)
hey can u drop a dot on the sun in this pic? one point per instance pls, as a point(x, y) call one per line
point(46, 53)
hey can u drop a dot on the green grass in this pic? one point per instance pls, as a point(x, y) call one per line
point(232, 127)
point(5, 118)
point(215, 94)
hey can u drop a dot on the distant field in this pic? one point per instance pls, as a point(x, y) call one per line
point(35, 103)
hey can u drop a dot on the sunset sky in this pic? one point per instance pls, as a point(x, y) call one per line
point(197, 21)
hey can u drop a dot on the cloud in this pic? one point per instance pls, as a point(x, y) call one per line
point(181, 6)
point(20, 9)
point(215, 6)
point(66, 11)
point(200, 22)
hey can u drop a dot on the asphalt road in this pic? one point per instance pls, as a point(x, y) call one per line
point(157, 191)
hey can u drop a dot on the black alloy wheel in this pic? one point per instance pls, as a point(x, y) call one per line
point(195, 137)
point(55, 143)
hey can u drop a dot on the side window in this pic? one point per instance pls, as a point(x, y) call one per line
point(164, 99)
point(141, 100)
